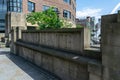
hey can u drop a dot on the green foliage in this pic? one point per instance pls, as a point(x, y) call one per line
point(66, 24)
point(79, 26)
point(45, 20)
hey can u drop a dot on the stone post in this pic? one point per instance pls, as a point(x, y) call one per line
point(18, 32)
point(13, 40)
point(87, 38)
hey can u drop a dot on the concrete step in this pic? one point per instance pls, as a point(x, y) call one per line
point(93, 53)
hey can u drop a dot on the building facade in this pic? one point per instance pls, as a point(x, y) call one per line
point(3, 11)
point(65, 8)
point(86, 22)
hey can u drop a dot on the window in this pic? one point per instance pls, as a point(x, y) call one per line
point(15, 5)
point(31, 6)
point(55, 9)
point(3, 6)
point(67, 1)
point(67, 14)
point(45, 7)
point(2, 22)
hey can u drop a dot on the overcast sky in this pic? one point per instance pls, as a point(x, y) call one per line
point(96, 8)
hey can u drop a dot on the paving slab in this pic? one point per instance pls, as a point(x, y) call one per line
point(13, 67)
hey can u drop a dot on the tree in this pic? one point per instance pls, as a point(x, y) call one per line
point(45, 20)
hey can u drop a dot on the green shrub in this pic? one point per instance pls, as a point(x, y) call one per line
point(79, 26)
point(45, 20)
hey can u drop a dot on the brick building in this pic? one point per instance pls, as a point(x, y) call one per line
point(65, 8)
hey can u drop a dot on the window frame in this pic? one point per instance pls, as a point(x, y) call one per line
point(67, 14)
point(31, 6)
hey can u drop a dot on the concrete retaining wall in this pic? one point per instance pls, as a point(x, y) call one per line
point(65, 65)
point(111, 47)
point(60, 52)
point(67, 39)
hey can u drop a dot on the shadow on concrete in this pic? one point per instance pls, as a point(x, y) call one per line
point(32, 70)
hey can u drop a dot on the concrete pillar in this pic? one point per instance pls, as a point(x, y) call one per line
point(13, 40)
point(87, 38)
point(111, 46)
point(18, 32)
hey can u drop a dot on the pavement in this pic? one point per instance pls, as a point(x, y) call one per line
point(13, 67)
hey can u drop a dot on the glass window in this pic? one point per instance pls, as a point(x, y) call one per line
point(11, 3)
point(67, 1)
point(56, 9)
point(67, 14)
point(3, 6)
point(31, 6)
point(45, 7)
point(15, 5)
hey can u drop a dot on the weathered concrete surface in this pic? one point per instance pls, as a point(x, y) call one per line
point(66, 65)
point(16, 68)
point(66, 39)
point(111, 46)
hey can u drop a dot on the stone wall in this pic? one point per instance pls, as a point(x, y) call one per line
point(111, 47)
point(68, 39)
point(66, 65)
point(60, 52)
point(62, 67)
point(14, 23)
point(14, 19)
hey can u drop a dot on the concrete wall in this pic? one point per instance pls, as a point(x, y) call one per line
point(14, 19)
point(59, 52)
point(67, 39)
point(66, 65)
point(111, 47)
point(62, 67)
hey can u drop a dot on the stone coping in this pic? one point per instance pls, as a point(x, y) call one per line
point(63, 30)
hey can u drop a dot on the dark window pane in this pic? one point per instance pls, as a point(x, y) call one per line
point(67, 14)
point(67, 1)
point(13, 5)
point(45, 7)
point(31, 6)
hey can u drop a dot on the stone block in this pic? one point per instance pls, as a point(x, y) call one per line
point(114, 74)
point(37, 58)
point(94, 77)
point(73, 71)
point(47, 62)
point(82, 73)
point(95, 69)
point(109, 18)
point(111, 58)
point(105, 75)
point(61, 68)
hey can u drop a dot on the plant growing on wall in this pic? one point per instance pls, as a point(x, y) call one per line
point(79, 26)
point(45, 20)
point(66, 24)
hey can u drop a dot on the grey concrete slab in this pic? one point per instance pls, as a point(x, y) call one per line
point(16, 68)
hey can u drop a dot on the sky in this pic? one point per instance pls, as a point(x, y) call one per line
point(96, 8)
